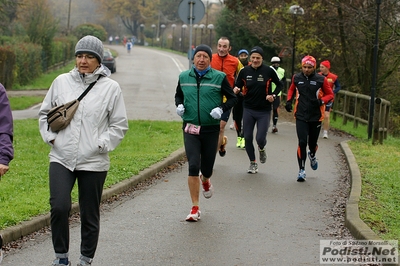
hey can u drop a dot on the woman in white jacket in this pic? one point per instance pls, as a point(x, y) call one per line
point(80, 151)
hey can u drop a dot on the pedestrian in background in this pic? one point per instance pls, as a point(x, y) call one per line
point(230, 65)
point(198, 99)
point(237, 111)
point(129, 46)
point(275, 63)
point(6, 140)
point(80, 151)
point(6, 132)
point(254, 82)
point(333, 82)
point(311, 91)
point(191, 53)
point(243, 56)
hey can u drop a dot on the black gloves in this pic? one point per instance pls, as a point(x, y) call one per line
point(289, 106)
point(316, 102)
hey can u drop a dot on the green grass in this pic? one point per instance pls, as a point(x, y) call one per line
point(360, 132)
point(380, 196)
point(24, 102)
point(41, 83)
point(44, 81)
point(24, 191)
point(380, 170)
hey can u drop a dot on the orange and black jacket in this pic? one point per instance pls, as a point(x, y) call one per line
point(307, 90)
point(229, 64)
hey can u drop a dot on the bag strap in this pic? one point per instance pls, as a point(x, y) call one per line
point(88, 89)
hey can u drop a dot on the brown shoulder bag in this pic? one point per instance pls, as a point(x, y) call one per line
point(60, 116)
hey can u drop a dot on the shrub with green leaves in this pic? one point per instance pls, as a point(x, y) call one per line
point(90, 29)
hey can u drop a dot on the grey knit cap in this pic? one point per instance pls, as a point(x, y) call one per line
point(90, 45)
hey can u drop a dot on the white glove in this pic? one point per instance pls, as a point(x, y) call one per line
point(180, 109)
point(216, 113)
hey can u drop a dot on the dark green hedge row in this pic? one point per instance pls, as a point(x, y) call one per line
point(20, 62)
point(7, 64)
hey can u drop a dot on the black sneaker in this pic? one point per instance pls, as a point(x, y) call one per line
point(263, 156)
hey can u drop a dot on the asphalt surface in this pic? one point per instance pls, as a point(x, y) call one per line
point(262, 219)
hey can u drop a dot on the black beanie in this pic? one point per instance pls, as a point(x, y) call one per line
point(257, 49)
point(204, 48)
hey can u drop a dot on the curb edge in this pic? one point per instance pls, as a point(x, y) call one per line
point(353, 222)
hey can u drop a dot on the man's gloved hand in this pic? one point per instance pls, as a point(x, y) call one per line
point(180, 109)
point(316, 102)
point(216, 113)
point(288, 106)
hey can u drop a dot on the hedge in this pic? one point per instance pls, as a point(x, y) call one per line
point(20, 62)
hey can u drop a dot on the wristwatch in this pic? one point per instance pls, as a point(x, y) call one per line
point(273, 95)
point(322, 102)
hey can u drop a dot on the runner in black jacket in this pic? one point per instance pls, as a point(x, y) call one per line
point(255, 81)
point(311, 91)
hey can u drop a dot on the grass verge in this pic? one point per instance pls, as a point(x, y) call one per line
point(380, 198)
point(24, 102)
point(44, 81)
point(24, 191)
point(379, 165)
point(41, 83)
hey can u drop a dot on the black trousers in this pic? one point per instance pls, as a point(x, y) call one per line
point(201, 151)
point(275, 112)
point(90, 187)
point(307, 134)
point(251, 119)
point(237, 115)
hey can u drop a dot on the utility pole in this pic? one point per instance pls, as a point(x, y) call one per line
point(374, 72)
point(69, 16)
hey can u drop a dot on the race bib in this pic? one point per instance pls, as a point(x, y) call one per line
point(192, 129)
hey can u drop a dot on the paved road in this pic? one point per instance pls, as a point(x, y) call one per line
point(262, 219)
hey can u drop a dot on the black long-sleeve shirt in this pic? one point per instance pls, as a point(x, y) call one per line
point(255, 84)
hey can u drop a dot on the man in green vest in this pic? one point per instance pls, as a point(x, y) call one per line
point(275, 62)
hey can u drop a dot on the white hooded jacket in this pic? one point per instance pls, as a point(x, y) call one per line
point(98, 126)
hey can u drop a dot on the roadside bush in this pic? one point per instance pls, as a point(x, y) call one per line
point(63, 49)
point(394, 125)
point(28, 62)
point(7, 63)
point(11, 41)
point(90, 29)
point(22, 61)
